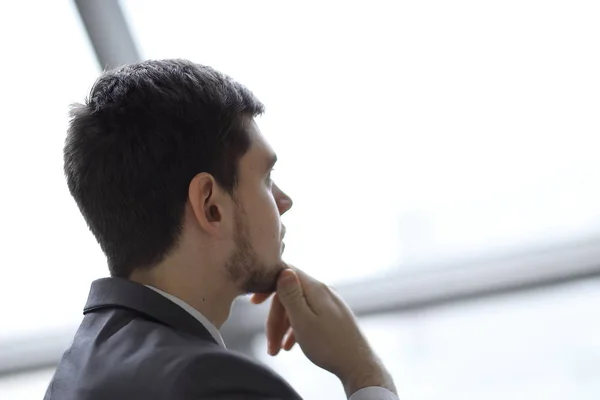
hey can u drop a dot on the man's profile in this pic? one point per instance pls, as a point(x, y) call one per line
point(173, 177)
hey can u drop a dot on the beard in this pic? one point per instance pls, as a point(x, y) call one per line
point(244, 266)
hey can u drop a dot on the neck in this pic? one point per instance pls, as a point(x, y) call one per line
point(209, 293)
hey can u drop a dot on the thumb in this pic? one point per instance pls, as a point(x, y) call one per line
point(290, 293)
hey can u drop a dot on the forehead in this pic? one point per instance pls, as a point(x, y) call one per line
point(260, 154)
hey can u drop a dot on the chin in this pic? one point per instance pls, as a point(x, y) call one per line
point(264, 280)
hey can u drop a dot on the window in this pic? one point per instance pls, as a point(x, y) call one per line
point(534, 345)
point(407, 133)
point(414, 134)
point(410, 132)
point(49, 256)
point(26, 385)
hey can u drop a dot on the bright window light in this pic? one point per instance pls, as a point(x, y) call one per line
point(49, 256)
point(410, 131)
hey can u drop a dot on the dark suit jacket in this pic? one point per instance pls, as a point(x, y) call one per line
point(134, 343)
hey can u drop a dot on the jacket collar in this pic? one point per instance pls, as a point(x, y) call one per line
point(107, 293)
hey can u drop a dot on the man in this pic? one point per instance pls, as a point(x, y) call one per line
point(172, 176)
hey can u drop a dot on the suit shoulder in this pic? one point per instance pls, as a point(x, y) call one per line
point(221, 371)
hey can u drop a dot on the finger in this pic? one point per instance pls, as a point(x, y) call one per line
point(259, 298)
point(277, 326)
point(307, 282)
point(311, 288)
point(291, 295)
point(290, 340)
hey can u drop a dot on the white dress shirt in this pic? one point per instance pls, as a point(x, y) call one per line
point(368, 393)
point(214, 332)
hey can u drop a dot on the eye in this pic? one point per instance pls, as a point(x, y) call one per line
point(269, 176)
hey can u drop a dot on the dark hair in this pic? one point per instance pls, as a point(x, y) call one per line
point(132, 149)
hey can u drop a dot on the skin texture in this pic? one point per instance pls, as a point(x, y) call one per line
point(232, 243)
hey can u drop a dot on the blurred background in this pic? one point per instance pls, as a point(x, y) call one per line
point(443, 157)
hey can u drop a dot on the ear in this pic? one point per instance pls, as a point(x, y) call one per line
point(208, 202)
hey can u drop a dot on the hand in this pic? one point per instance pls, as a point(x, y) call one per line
point(307, 311)
point(278, 324)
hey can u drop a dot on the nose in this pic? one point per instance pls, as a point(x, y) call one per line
point(284, 202)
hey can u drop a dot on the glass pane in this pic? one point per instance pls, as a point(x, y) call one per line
point(410, 131)
point(25, 385)
point(49, 256)
point(534, 345)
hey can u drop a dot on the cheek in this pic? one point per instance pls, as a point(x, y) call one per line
point(272, 223)
point(267, 225)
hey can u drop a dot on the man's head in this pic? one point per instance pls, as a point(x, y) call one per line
point(164, 160)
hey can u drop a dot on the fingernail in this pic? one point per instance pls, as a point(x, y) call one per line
point(287, 277)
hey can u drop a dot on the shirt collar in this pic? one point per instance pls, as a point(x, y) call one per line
point(214, 332)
